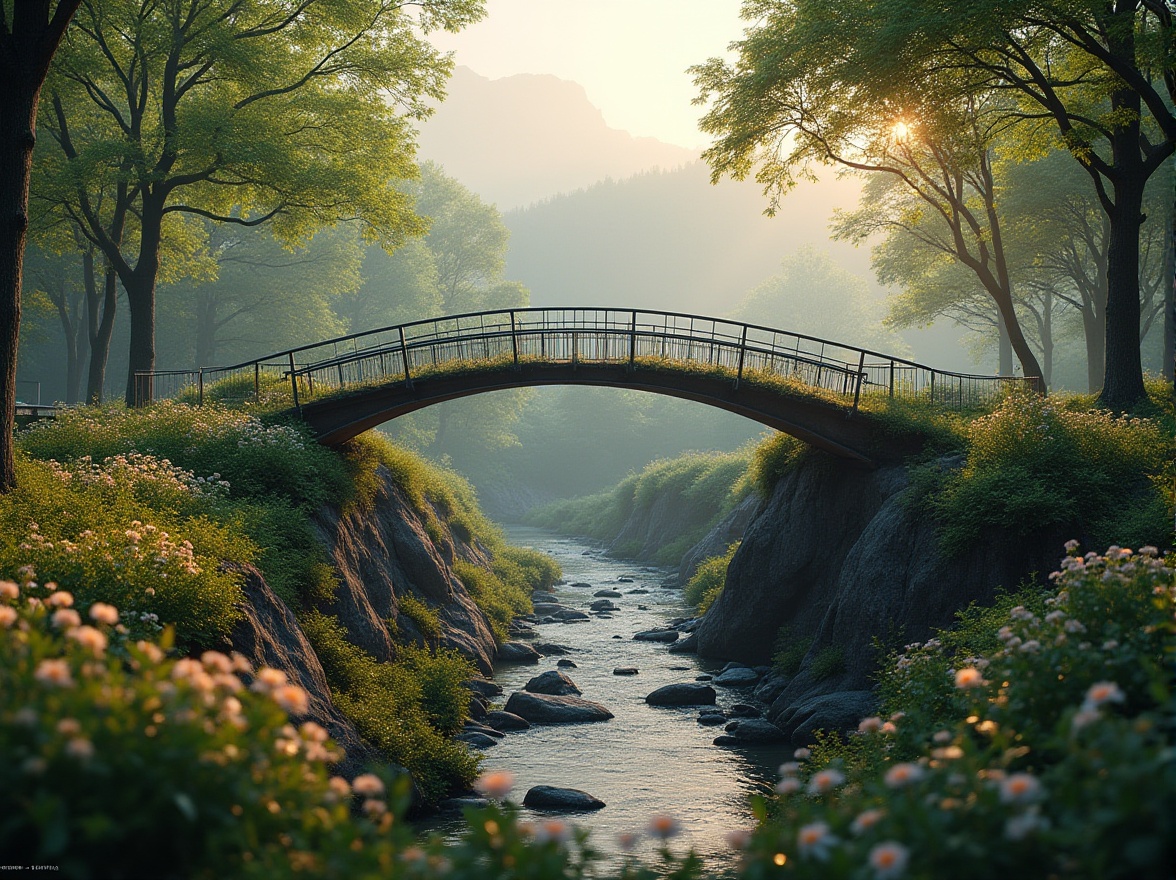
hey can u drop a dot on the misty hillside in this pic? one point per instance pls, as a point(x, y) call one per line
point(523, 138)
point(670, 240)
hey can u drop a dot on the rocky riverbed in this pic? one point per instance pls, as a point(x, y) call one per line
point(646, 759)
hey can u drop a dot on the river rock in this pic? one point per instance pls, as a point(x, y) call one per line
point(625, 670)
point(483, 686)
point(689, 693)
point(704, 677)
point(548, 797)
point(754, 730)
point(461, 804)
point(552, 682)
point(478, 707)
point(640, 591)
point(624, 579)
point(712, 720)
point(604, 605)
point(657, 635)
point(570, 615)
point(506, 721)
point(545, 609)
point(547, 709)
point(567, 664)
point(517, 652)
point(551, 649)
point(475, 727)
point(476, 740)
point(582, 585)
point(688, 645)
point(738, 677)
point(743, 710)
point(607, 594)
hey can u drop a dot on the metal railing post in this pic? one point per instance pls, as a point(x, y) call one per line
point(200, 387)
point(633, 342)
point(404, 353)
point(742, 352)
point(857, 395)
point(256, 381)
point(892, 377)
point(514, 339)
point(294, 384)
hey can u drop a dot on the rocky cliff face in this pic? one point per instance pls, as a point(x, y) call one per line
point(380, 555)
point(386, 552)
point(836, 559)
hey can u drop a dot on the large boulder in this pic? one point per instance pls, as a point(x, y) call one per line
point(837, 712)
point(548, 709)
point(552, 682)
point(563, 800)
point(687, 693)
point(749, 731)
point(740, 676)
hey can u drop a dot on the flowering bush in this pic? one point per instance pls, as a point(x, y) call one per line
point(120, 762)
point(1034, 463)
point(256, 458)
point(1049, 755)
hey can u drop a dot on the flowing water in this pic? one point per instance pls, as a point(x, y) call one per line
point(647, 760)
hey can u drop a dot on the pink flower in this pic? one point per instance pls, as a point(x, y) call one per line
point(968, 677)
point(368, 784)
point(1020, 788)
point(825, 781)
point(89, 638)
point(663, 826)
point(54, 672)
point(1101, 693)
point(292, 699)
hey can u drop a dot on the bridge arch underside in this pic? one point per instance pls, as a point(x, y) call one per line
point(828, 426)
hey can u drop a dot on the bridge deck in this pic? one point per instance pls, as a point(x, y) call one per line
point(760, 372)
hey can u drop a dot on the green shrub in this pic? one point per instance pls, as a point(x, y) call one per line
point(708, 581)
point(426, 619)
point(1035, 463)
point(406, 708)
point(500, 601)
point(789, 651)
point(830, 661)
point(772, 459)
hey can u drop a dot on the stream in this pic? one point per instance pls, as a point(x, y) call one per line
point(646, 761)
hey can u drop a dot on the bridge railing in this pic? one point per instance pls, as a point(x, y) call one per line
point(636, 338)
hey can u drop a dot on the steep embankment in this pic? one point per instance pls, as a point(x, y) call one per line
point(837, 562)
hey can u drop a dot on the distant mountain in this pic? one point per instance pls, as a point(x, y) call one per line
point(523, 138)
point(671, 241)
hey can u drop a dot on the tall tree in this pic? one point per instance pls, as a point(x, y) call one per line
point(1100, 74)
point(30, 33)
point(792, 97)
point(244, 113)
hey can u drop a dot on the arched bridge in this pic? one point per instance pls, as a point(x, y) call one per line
point(808, 387)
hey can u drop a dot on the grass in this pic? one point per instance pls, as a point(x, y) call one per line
point(709, 580)
point(702, 487)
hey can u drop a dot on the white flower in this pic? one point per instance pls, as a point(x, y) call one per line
point(1101, 693)
point(866, 820)
point(825, 781)
point(889, 860)
point(901, 775)
point(815, 841)
point(368, 784)
point(1020, 788)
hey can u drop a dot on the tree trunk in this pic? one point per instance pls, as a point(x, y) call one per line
point(141, 306)
point(140, 287)
point(72, 331)
point(1123, 375)
point(100, 330)
point(1169, 354)
point(18, 113)
point(1004, 348)
point(1094, 331)
point(1047, 342)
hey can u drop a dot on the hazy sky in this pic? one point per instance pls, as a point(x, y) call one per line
point(630, 55)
